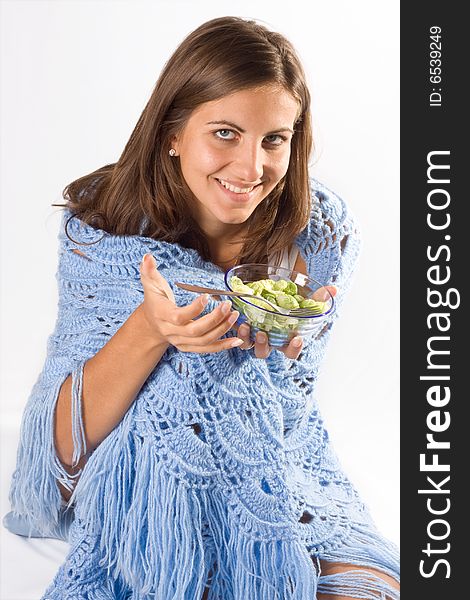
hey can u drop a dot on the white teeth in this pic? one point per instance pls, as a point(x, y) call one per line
point(232, 188)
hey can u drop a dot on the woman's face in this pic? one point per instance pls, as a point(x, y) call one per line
point(233, 152)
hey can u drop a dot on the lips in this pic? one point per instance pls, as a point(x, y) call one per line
point(235, 189)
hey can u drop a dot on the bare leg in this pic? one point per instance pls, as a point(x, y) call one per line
point(330, 568)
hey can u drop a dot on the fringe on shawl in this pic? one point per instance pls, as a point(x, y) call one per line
point(147, 522)
point(162, 537)
point(247, 568)
point(166, 539)
point(35, 496)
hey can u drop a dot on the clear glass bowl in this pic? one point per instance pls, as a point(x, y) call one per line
point(279, 328)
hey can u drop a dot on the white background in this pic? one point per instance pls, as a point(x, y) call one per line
point(75, 78)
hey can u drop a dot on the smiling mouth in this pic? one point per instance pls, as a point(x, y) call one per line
point(233, 188)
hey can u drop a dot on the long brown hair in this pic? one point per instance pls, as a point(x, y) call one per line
point(144, 193)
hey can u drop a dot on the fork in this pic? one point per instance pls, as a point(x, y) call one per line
point(301, 312)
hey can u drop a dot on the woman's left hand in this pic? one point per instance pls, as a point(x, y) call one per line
point(262, 349)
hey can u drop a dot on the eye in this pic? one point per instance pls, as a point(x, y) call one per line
point(225, 134)
point(275, 139)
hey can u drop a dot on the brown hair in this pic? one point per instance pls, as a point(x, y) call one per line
point(144, 193)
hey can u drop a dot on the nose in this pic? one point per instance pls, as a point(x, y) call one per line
point(249, 162)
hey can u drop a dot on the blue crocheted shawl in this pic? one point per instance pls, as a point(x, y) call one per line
point(221, 471)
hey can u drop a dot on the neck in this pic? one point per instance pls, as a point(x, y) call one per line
point(227, 257)
point(226, 248)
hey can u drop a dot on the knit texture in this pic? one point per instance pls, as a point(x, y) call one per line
point(221, 473)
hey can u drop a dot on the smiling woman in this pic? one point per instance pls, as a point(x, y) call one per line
point(202, 78)
point(230, 172)
point(176, 465)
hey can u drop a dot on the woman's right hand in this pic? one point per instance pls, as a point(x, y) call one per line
point(179, 326)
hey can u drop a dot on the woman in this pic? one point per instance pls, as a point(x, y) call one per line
point(181, 459)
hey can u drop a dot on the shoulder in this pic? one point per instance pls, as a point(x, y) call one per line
point(330, 242)
point(330, 210)
point(75, 231)
point(331, 219)
point(116, 256)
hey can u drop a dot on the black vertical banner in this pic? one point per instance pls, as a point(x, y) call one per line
point(435, 267)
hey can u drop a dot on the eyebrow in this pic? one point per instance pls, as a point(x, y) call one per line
point(241, 130)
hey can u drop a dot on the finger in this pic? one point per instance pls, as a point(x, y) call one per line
point(208, 322)
point(175, 316)
point(322, 295)
point(156, 286)
point(225, 344)
point(152, 278)
point(261, 347)
point(209, 337)
point(294, 348)
point(244, 334)
point(207, 329)
point(220, 329)
point(184, 327)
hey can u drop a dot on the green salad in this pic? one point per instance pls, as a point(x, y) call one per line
point(282, 292)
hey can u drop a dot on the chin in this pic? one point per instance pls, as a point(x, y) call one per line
point(235, 219)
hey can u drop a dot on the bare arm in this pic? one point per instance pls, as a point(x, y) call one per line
point(114, 376)
point(111, 381)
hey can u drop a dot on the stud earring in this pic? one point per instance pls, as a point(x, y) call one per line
point(172, 152)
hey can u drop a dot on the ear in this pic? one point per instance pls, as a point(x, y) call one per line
point(174, 143)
